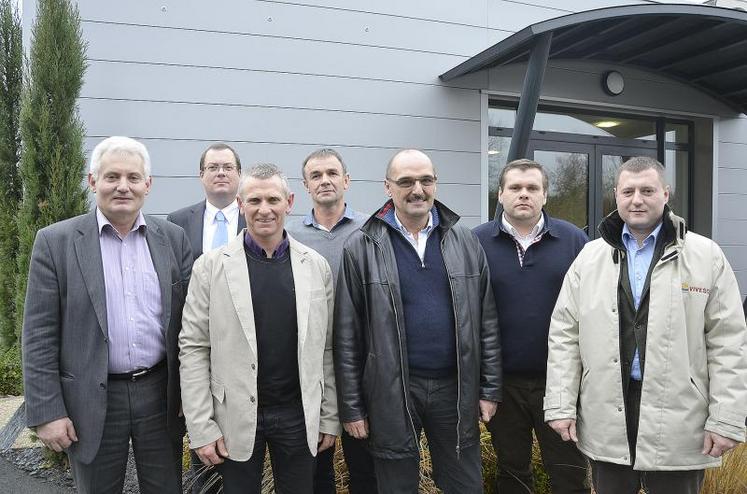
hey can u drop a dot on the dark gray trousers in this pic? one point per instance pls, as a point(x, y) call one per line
point(434, 408)
point(135, 411)
point(610, 478)
point(511, 434)
point(360, 465)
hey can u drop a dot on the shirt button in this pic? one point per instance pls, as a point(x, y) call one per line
point(619, 409)
point(251, 399)
point(103, 386)
point(254, 366)
point(614, 360)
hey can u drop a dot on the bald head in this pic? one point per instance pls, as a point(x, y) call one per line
point(405, 157)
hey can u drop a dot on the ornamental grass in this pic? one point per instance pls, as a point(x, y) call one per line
point(730, 478)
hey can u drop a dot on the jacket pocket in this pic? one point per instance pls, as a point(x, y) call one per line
point(218, 391)
point(699, 390)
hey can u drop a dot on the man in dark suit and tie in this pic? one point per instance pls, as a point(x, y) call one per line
point(102, 316)
point(212, 222)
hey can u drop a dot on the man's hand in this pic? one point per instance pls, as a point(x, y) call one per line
point(325, 441)
point(213, 453)
point(357, 429)
point(487, 410)
point(716, 445)
point(58, 434)
point(566, 428)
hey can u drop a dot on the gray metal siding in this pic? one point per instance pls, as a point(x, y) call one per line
point(731, 231)
point(278, 79)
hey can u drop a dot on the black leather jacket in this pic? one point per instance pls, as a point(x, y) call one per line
point(370, 349)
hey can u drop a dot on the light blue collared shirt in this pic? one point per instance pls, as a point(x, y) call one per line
point(639, 261)
point(310, 220)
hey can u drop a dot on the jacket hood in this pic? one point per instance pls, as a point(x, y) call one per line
point(376, 226)
point(673, 228)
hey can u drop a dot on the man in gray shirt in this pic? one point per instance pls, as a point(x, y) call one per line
point(325, 229)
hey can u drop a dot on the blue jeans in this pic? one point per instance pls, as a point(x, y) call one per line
point(283, 430)
point(433, 405)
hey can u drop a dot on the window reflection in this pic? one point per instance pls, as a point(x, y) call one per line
point(567, 196)
point(497, 153)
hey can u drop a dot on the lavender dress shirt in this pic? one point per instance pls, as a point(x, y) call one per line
point(133, 298)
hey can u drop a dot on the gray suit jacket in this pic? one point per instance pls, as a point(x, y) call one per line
point(65, 351)
point(191, 219)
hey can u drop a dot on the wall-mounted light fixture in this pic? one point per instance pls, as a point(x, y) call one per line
point(613, 82)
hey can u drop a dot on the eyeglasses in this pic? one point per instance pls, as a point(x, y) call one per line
point(226, 167)
point(409, 182)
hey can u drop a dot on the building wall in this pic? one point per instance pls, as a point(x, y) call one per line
point(278, 79)
point(731, 199)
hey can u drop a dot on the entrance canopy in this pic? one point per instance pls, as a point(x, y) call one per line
point(704, 47)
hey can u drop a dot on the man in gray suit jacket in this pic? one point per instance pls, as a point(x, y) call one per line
point(101, 322)
point(220, 168)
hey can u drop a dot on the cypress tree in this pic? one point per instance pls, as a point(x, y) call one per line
point(52, 160)
point(11, 80)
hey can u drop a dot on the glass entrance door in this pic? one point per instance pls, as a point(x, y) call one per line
point(582, 178)
point(609, 159)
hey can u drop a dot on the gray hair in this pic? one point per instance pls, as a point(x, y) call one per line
point(321, 154)
point(639, 164)
point(264, 171)
point(119, 145)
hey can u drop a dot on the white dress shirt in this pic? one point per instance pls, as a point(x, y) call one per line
point(422, 238)
point(231, 212)
point(524, 241)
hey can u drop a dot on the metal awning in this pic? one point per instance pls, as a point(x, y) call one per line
point(704, 47)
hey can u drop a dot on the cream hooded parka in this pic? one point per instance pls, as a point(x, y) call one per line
point(695, 358)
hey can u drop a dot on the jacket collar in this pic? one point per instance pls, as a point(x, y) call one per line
point(376, 226)
point(673, 228)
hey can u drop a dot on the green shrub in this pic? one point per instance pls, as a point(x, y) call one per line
point(11, 375)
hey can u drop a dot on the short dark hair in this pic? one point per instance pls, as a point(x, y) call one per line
point(220, 146)
point(638, 164)
point(320, 154)
point(524, 165)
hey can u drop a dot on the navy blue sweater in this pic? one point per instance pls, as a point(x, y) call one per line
point(525, 295)
point(428, 309)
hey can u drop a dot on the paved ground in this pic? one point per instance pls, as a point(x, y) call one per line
point(17, 481)
point(21, 462)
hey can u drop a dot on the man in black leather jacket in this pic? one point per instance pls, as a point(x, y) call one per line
point(416, 335)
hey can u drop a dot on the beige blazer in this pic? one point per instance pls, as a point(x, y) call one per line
point(218, 349)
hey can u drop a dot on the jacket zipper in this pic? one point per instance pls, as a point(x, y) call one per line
point(401, 356)
point(456, 339)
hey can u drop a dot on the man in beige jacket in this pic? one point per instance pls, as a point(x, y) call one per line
point(646, 368)
point(256, 348)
